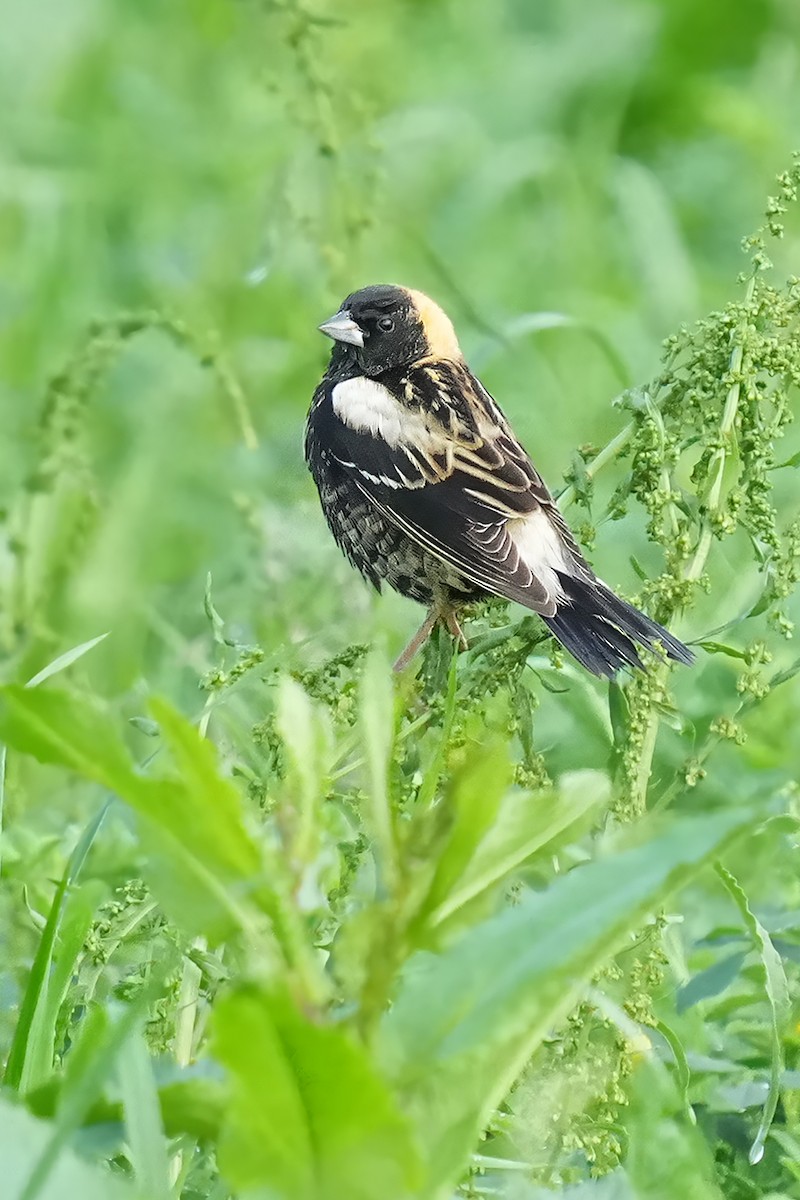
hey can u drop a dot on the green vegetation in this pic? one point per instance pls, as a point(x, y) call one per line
point(273, 924)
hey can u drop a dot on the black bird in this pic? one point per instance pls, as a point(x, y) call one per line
point(424, 485)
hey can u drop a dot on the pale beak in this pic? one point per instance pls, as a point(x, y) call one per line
point(342, 328)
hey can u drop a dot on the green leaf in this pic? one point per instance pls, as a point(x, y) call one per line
point(202, 862)
point(65, 660)
point(619, 713)
point(710, 982)
point(143, 1128)
point(88, 1066)
point(472, 803)
point(214, 619)
point(667, 1155)
point(22, 1142)
point(464, 1022)
point(68, 729)
point(193, 1104)
point(79, 913)
point(206, 812)
point(683, 1075)
point(30, 1057)
point(377, 726)
point(792, 461)
point(777, 993)
point(199, 893)
point(308, 1117)
point(785, 675)
point(721, 648)
point(306, 739)
point(522, 825)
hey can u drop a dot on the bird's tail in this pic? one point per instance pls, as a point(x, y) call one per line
point(600, 629)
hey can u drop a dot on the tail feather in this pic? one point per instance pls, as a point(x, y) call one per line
point(600, 629)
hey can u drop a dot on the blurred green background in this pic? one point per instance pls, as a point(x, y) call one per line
point(571, 181)
point(244, 165)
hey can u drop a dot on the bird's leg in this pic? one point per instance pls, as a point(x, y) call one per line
point(418, 640)
point(439, 612)
point(451, 621)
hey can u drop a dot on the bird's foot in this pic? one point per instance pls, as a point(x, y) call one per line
point(438, 614)
point(450, 619)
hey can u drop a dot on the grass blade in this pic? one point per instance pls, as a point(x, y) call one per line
point(37, 989)
point(89, 1067)
point(65, 660)
point(776, 989)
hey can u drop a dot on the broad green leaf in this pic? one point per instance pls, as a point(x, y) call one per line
point(710, 982)
point(308, 1118)
point(206, 812)
point(194, 1103)
point(88, 1067)
point(777, 993)
point(202, 863)
point(68, 729)
point(522, 825)
point(465, 1022)
point(193, 891)
point(143, 1128)
point(667, 1155)
point(22, 1142)
point(472, 802)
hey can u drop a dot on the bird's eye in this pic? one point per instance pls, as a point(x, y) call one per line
point(386, 324)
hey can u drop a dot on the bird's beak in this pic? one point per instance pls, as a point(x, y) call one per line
point(342, 328)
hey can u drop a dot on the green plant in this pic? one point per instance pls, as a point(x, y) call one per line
point(340, 945)
point(272, 923)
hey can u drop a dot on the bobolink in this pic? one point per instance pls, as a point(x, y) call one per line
point(424, 485)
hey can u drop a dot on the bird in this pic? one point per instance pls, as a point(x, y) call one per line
point(425, 487)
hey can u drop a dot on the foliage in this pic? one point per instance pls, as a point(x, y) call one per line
point(273, 923)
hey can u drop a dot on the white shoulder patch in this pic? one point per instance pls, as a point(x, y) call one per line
point(369, 407)
point(540, 547)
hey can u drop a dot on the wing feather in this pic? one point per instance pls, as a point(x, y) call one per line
point(444, 466)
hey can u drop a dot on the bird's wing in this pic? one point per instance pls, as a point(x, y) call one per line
point(437, 457)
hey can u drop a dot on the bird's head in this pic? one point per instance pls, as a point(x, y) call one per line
point(385, 326)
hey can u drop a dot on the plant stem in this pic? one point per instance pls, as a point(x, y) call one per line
point(182, 1043)
point(605, 456)
point(610, 450)
point(639, 778)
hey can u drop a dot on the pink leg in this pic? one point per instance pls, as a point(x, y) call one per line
point(451, 621)
point(439, 612)
point(418, 641)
